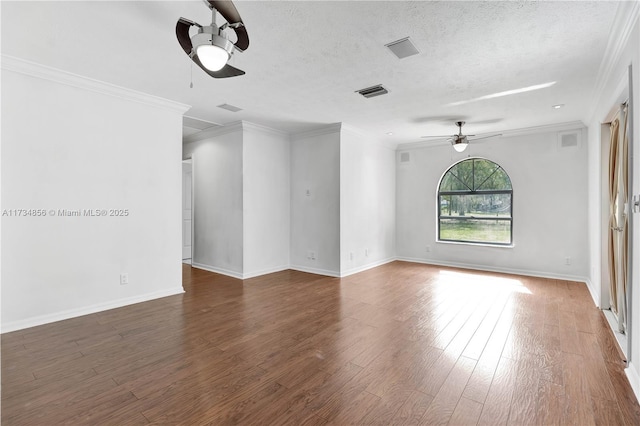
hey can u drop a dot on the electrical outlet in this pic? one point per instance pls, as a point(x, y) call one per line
point(311, 255)
point(351, 255)
point(428, 249)
point(124, 278)
point(366, 252)
point(567, 261)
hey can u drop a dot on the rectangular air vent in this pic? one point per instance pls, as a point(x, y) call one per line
point(569, 140)
point(405, 157)
point(372, 91)
point(402, 48)
point(230, 107)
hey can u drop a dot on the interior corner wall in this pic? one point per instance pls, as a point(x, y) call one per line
point(315, 202)
point(367, 203)
point(73, 153)
point(549, 207)
point(266, 201)
point(218, 202)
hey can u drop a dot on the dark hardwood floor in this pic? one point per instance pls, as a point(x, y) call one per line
point(399, 344)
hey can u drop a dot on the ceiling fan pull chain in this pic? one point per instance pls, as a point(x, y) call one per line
point(191, 84)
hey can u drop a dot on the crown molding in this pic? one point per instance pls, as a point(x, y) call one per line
point(43, 72)
point(547, 128)
point(236, 126)
point(324, 130)
point(233, 127)
point(259, 128)
point(623, 24)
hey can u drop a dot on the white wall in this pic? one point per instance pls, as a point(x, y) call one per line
point(241, 199)
point(72, 143)
point(367, 202)
point(266, 200)
point(624, 50)
point(217, 200)
point(549, 206)
point(315, 201)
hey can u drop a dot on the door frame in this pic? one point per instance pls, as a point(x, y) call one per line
point(189, 161)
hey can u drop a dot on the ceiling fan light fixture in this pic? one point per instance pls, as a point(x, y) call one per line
point(460, 145)
point(213, 50)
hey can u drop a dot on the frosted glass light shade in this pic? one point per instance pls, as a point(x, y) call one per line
point(460, 146)
point(212, 57)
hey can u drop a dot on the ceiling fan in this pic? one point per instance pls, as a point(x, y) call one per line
point(460, 141)
point(210, 49)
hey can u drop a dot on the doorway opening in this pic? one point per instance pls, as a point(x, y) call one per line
point(187, 211)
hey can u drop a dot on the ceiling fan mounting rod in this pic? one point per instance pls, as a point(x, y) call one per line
point(213, 15)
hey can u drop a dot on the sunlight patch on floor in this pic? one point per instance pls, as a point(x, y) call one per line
point(488, 283)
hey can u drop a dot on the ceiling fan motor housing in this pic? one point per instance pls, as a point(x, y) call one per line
point(210, 35)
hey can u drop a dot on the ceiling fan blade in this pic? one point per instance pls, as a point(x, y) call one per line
point(435, 137)
point(227, 9)
point(182, 32)
point(229, 12)
point(485, 137)
point(226, 71)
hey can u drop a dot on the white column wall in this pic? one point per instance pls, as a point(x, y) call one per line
point(315, 201)
point(266, 200)
point(367, 202)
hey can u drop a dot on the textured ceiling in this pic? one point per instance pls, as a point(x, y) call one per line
point(307, 58)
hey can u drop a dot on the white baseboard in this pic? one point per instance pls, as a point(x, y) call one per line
point(634, 379)
point(315, 271)
point(221, 271)
point(264, 272)
point(524, 272)
point(352, 271)
point(99, 307)
point(594, 295)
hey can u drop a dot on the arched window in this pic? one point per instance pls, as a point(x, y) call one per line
point(475, 203)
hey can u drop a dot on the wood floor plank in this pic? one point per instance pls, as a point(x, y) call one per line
point(551, 368)
point(600, 385)
point(403, 343)
point(396, 396)
point(551, 403)
point(445, 401)
point(467, 413)
point(578, 408)
point(524, 401)
point(606, 412)
point(498, 402)
point(627, 403)
point(481, 378)
point(412, 410)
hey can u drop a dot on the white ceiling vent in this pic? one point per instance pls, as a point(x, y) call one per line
point(373, 91)
point(230, 107)
point(569, 140)
point(402, 48)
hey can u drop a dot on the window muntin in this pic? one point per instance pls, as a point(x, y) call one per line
point(475, 203)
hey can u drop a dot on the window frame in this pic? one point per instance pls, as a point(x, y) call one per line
point(440, 194)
